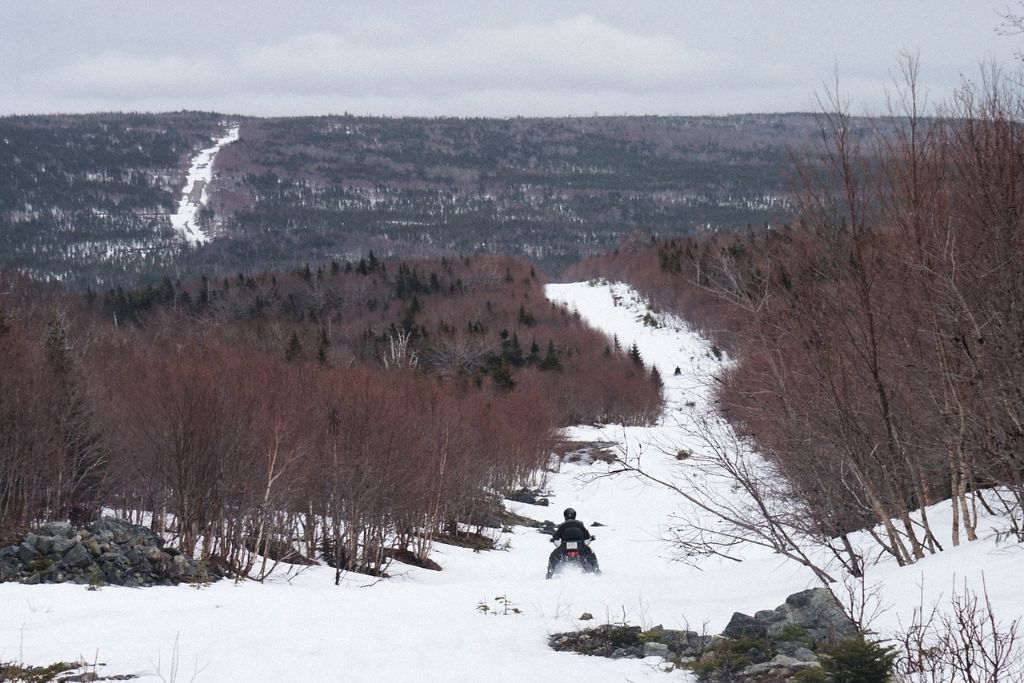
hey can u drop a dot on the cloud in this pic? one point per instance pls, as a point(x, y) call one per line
point(113, 73)
point(579, 52)
point(689, 63)
point(380, 59)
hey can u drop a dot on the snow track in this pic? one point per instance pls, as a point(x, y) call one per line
point(428, 626)
point(195, 194)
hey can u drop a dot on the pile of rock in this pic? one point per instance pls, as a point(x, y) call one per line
point(773, 645)
point(619, 641)
point(528, 496)
point(813, 613)
point(109, 551)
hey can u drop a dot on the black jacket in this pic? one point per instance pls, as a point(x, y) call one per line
point(571, 530)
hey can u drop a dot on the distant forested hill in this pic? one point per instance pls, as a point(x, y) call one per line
point(85, 199)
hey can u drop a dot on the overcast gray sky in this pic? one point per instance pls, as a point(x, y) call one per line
point(490, 58)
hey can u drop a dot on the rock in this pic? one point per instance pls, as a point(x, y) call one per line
point(769, 616)
point(783, 660)
point(819, 614)
point(758, 669)
point(604, 641)
point(44, 544)
point(685, 643)
point(27, 552)
point(778, 665)
point(805, 655)
point(802, 666)
point(655, 650)
point(787, 635)
point(10, 569)
point(77, 558)
point(529, 497)
point(586, 616)
point(93, 546)
point(179, 567)
point(114, 567)
point(57, 530)
point(110, 550)
point(153, 554)
point(744, 625)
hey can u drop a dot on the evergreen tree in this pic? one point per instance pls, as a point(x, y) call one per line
point(551, 360)
point(511, 350)
point(525, 317)
point(858, 660)
point(634, 355)
point(57, 351)
point(534, 357)
point(502, 377)
point(293, 350)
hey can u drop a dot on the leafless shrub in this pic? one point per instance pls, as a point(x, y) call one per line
point(968, 643)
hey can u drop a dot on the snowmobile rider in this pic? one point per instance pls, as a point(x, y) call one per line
point(571, 530)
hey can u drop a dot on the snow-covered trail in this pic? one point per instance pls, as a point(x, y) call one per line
point(426, 626)
point(195, 195)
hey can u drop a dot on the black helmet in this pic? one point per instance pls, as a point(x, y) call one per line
point(569, 513)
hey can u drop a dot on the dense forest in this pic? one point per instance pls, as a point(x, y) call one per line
point(85, 200)
point(878, 340)
point(547, 189)
point(344, 411)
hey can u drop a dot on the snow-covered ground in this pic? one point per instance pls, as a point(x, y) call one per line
point(194, 196)
point(428, 626)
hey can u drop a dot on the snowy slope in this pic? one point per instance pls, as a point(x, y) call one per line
point(195, 195)
point(426, 626)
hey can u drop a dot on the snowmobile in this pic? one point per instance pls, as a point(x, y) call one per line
point(573, 553)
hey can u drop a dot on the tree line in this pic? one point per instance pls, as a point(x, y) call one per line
point(879, 339)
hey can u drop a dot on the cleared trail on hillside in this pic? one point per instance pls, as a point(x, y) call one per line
point(195, 194)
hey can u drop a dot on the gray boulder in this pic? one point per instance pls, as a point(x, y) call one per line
point(27, 552)
point(57, 530)
point(817, 612)
point(77, 557)
point(10, 568)
point(655, 650)
point(744, 625)
point(60, 545)
point(525, 495)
